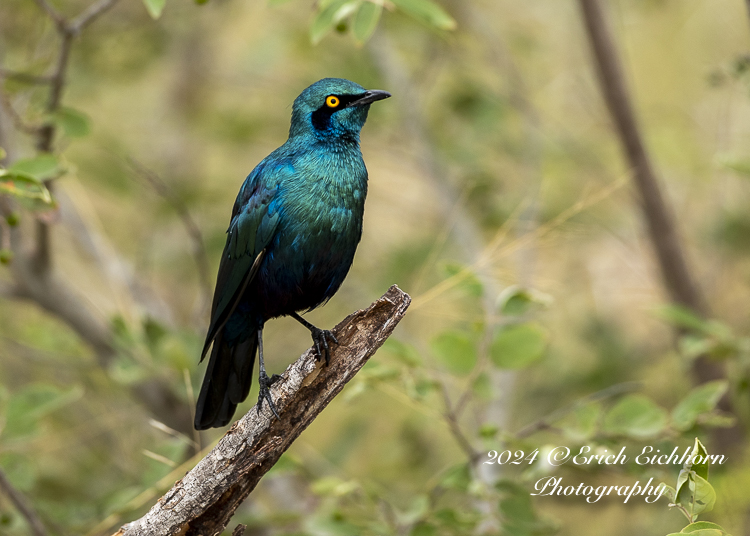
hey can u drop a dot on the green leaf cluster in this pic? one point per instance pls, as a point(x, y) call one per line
point(362, 17)
point(693, 495)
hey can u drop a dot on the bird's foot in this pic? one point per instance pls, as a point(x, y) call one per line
point(264, 382)
point(321, 338)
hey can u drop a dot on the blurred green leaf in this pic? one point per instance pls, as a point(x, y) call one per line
point(738, 165)
point(457, 477)
point(28, 406)
point(482, 387)
point(681, 317)
point(366, 20)
point(469, 283)
point(701, 467)
point(717, 420)
point(329, 16)
point(154, 332)
point(416, 510)
point(697, 496)
point(406, 353)
point(702, 528)
point(635, 416)
point(456, 350)
point(20, 470)
point(702, 399)
point(333, 486)
point(516, 301)
point(24, 186)
point(3, 154)
point(518, 346)
point(73, 122)
point(44, 166)
point(693, 492)
point(154, 7)
point(669, 492)
point(518, 515)
point(428, 12)
point(581, 423)
point(423, 529)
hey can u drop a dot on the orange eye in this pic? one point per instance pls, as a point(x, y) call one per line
point(332, 101)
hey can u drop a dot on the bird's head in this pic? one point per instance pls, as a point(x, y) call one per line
point(333, 108)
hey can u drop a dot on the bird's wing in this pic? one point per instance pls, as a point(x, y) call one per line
point(252, 228)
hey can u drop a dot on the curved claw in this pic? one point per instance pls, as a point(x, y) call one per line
point(264, 382)
point(321, 337)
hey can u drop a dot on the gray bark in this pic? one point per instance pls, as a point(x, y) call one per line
point(203, 502)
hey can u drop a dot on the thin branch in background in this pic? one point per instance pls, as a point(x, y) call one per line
point(199, 249)
point(204, 500)
point(675, 273)
point(90, 14)
point(452, 420)
point(20, 503)
point(45, 135)
point(51, 12)
point(545, 423)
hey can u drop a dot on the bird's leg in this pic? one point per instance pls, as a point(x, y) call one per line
point(319, 336)
point(264, 382)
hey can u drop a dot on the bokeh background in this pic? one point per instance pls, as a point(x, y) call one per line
point(499, 199)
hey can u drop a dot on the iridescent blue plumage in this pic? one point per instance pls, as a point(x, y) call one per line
point(295, 227)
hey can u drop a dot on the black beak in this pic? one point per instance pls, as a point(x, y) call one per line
point(370, 96)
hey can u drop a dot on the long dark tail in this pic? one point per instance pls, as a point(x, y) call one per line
point(227, 381)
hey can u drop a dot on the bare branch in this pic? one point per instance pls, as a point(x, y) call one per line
point(452, 419)
point(206, 498)
point(194, 232)
point(52, 13)
point(90, 14)
point(54, 296)
point(21, 504)
point(662, 230)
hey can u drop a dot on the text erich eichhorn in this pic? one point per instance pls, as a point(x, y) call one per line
point(551, 485)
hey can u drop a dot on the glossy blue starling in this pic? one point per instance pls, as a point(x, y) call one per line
point(294, 229)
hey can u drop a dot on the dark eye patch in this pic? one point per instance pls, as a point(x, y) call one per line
point(321, 118)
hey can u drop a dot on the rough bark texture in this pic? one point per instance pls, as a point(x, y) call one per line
point(204, 500)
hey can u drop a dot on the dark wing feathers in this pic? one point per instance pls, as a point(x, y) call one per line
point(250, 231)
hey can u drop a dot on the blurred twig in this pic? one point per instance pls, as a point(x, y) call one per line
point(451, 416)
point(35, 276)
point(546, 422)
point(466, 230)
point(19, 501)
point(204, 500)
point(675, 273)
point(199, 249)
point(33, 272)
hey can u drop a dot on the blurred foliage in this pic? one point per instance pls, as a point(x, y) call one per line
point(495, 199)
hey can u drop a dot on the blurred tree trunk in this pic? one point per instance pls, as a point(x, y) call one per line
point(675, 273)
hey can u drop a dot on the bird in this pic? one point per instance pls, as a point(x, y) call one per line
point(294, 229)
